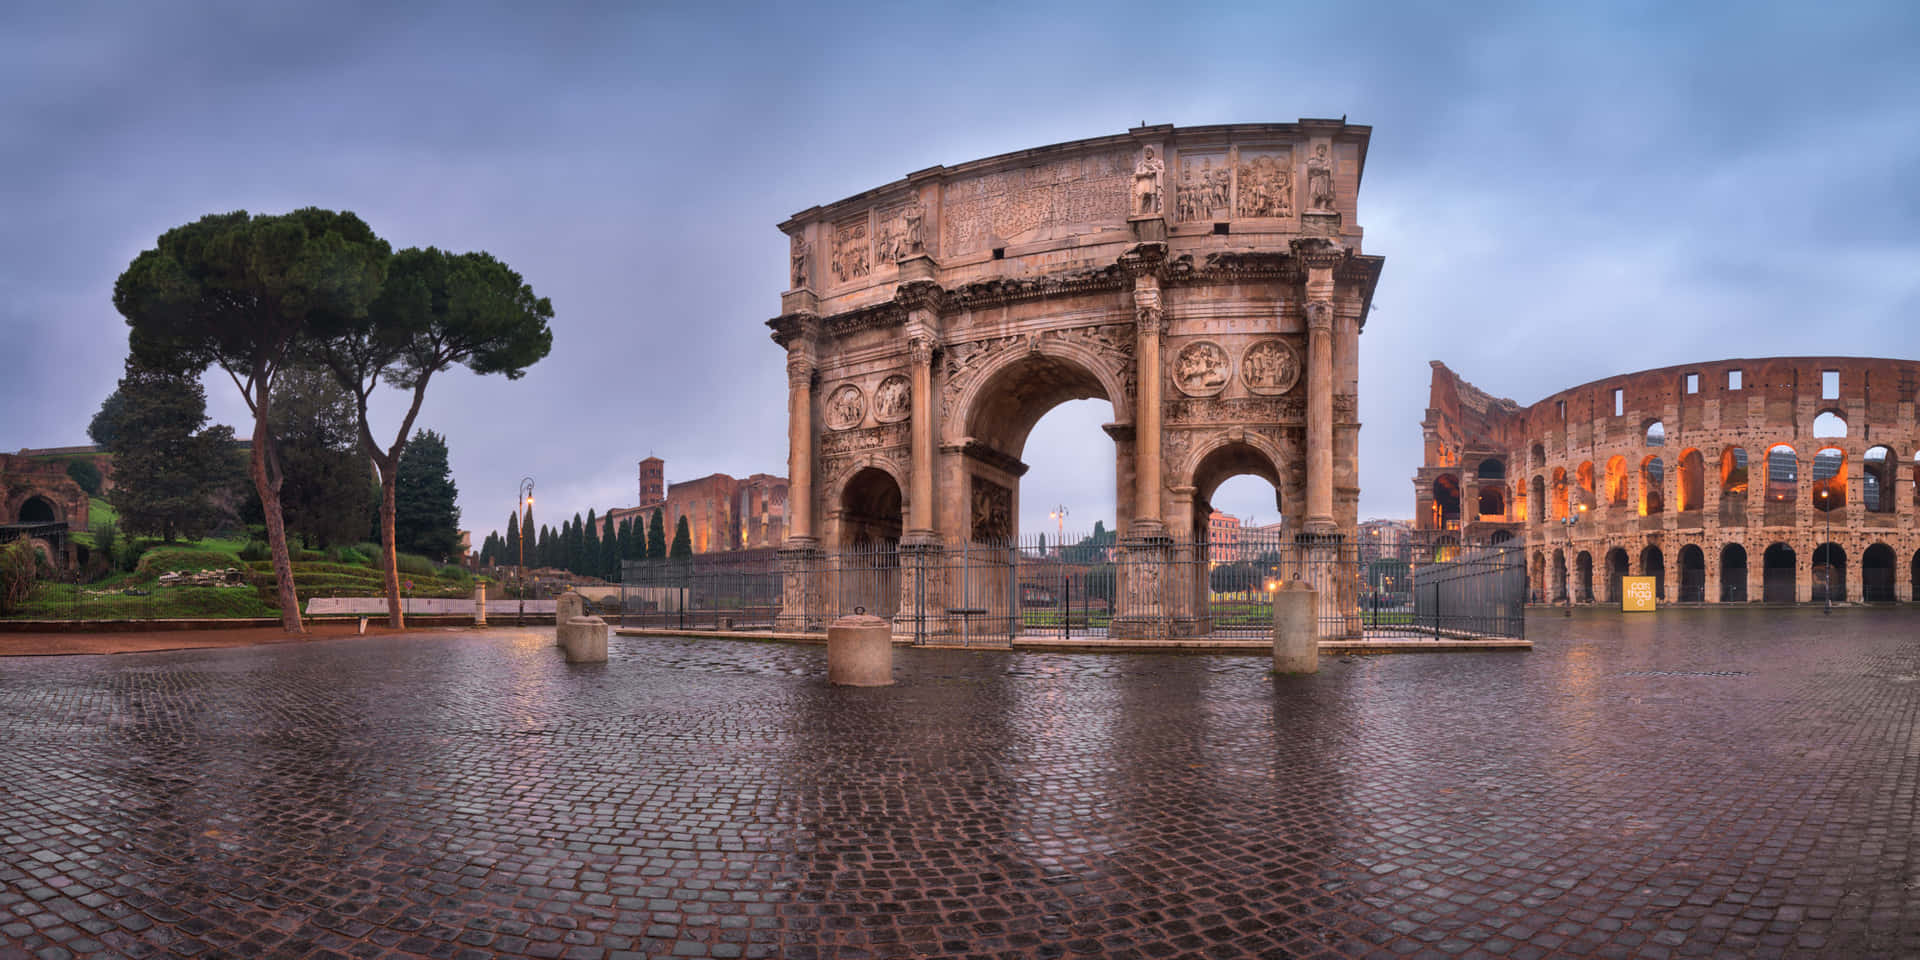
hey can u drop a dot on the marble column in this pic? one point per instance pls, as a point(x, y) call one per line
point(1320, 403)
point(1148, 519)
point(920, 510)
point(800, 560)
point(799, 442)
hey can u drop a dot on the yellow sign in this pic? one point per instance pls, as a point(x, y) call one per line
point(1636, 594)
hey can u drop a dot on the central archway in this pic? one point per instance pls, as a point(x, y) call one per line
point(1002, 410)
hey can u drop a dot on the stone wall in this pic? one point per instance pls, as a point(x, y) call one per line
point(1656, 458)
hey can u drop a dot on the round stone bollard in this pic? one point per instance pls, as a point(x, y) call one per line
point(860, 652)
point(1296, 628)
point(479, 604)
point(565, 607)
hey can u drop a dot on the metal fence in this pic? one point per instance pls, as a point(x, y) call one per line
point(989, 593)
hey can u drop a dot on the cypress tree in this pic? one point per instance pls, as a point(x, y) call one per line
point(625, 544)
point(657, 536)
point(590, 548)
point(577, 546)
point(513, 538)
point(609, 552)
point(682, 541)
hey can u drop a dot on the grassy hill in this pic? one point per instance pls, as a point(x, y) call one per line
point(251, 590)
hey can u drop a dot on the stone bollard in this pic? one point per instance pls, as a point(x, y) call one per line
point(565, 607)
point(1296, 628)
point(860, 652)
point(584, 639)
point(479, 604)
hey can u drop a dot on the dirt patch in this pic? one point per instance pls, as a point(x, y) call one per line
point(52, 644)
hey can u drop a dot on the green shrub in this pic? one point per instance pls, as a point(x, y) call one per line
point(132, 553)
point(348, 555)
point(84, 473)
point(180, 560)
point(415, 564)
point(310, 556)
point(16, 574)
point(256, 550)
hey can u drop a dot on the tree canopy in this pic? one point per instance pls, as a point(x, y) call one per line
point(243, 293)
point(682, 541)
point(435, 310)
point(329, 489)
point(426, 516)
point(169, 468)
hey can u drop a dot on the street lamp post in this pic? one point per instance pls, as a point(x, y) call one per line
point(1059, 516)
point(523, 505)
point(1569, 522)
point(1826, 569)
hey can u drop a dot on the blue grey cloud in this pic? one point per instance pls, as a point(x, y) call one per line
point(1561, 192)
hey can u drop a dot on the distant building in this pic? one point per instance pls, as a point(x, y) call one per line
point(1389, 536)
point(723, 513)
point(1223, 537)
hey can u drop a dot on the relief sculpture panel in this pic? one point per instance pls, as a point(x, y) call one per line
point(850, 250)
point(846, 407)
point(1236, 410)
point(1086, 189)
point(1270, 368)
point(1265, 184)
point(1204, 188)
point(992, 512)
point(1202, 369)
point(892, 399)
point(860, 441)
point(898, 235)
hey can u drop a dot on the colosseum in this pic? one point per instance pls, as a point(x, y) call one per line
point(1777, 480)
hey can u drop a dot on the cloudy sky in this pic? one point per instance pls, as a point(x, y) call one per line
point(1562, 191)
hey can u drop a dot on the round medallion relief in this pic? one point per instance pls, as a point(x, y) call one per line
point(892, 399)
point(846, 407)
point(1270, 368)
point(1202, 369)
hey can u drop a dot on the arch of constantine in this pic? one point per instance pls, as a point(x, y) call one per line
point(1207, 282)
point(1788, 479)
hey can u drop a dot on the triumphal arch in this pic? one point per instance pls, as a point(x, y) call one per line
point(1208, 282)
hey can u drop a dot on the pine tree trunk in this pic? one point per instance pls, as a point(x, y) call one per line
point(276, 530)
point(389, 541)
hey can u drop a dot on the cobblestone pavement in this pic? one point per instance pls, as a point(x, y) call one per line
point(1691, 783)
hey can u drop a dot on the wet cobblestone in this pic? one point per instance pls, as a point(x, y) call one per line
point(1695, 783)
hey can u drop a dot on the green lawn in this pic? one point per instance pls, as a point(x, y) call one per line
point(138, 595)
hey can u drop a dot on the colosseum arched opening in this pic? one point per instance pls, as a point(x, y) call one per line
point(1876, 574)
point(1818, 463)
point(1733, 573)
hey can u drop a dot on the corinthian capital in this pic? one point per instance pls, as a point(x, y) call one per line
point(799, 369)
point(1320, 314)
point(920, 351)
point(1149, 320)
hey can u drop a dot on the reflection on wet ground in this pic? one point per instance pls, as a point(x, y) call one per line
point(1691, 783)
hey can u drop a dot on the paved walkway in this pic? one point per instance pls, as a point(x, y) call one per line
point(1694, 783)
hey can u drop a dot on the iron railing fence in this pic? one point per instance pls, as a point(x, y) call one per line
point(986, 593)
